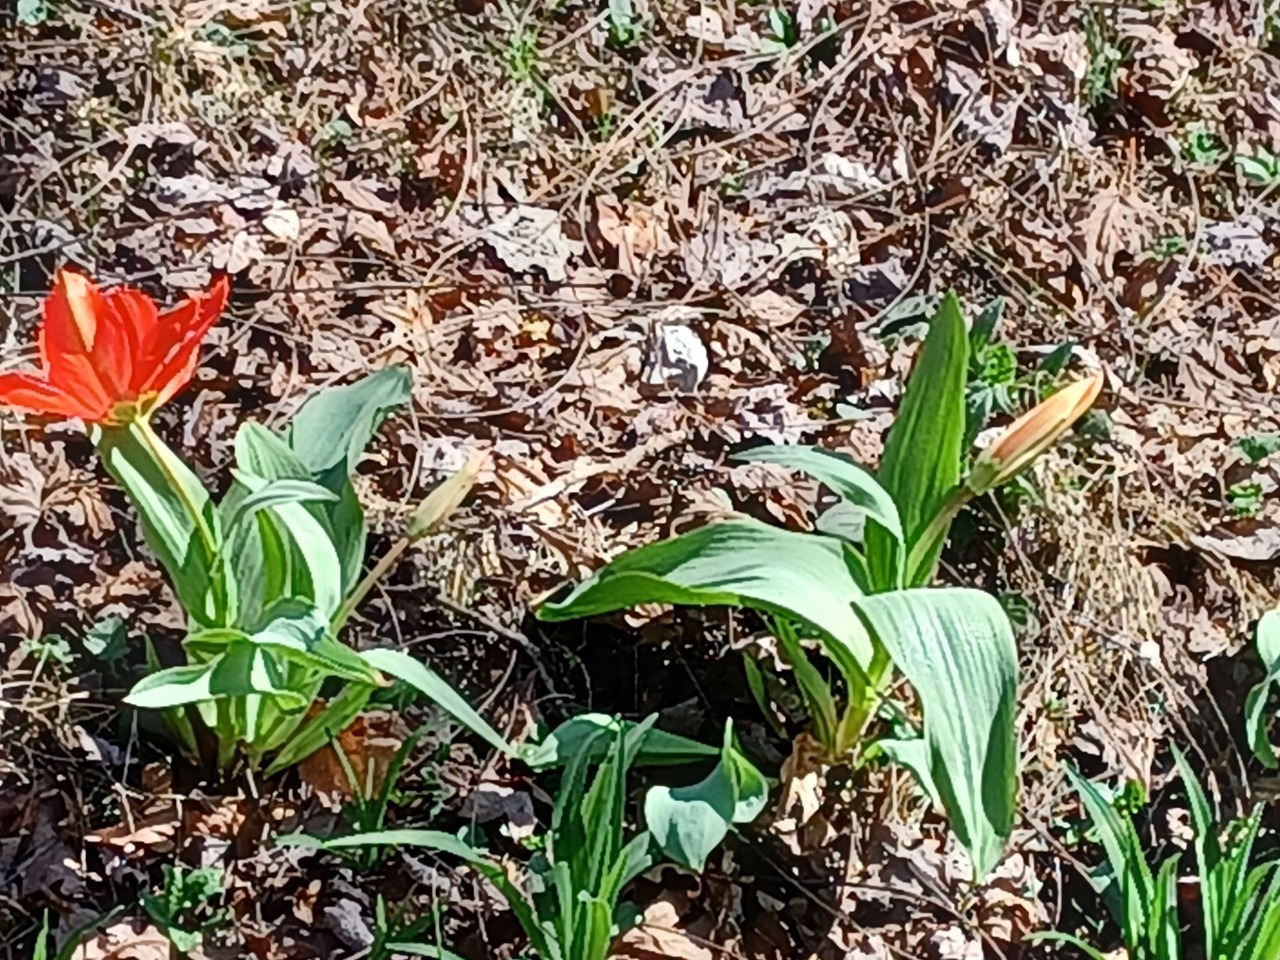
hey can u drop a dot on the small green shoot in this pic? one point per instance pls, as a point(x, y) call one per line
point(32, 13)
point(1101, 82)
point(1245, 499)
point(1166, 248)
point(186, 894)
point(624, 27)
point(1202, 148)
point(367, 809)
point(394, 934)
point(1259, 166)
point(107, 641)
point(521, 54)
point(50, 648)
point(75, 938)
point(782, 28)
point(572, 908)
point(1256, 447)
point(1239, 899)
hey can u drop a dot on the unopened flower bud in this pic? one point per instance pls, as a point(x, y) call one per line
point(1031, 434)
point(441, 502)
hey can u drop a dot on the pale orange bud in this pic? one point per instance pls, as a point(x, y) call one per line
point(445, 498)
point(1032, 434)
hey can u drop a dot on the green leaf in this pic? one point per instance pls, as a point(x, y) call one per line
point(268, 563)
point(922, 455)
point(275, 493)
point(1052, 936)
point(734, 563)
point(690, 822)
point(316, 732)
point(107, 640)
point(956, 647)
point(581, 736)
point(912, 754)
point(423, 950)
point(332, 428)
point(839, 472)
point(175, 512)
point(819, 701)
point(299, 632)
point(984, 327)
point(442, 842)
point(1256, 720)
point(32, 13)
point(753, 787)
point(172, 687)
point(299, 545)
point(329, 434)
point(419, 676)
point(1132, 893)
point(242, 670)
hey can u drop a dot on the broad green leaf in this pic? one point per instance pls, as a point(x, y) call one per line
point(922, 455)
point(266, 565)
point(177, 718)
point(312, 569)
point(316, 732)
point(734, 563)
point(346, 520)
point(753, 787)
point(332, 428)
point(912, 754)
point(276, 493)
point(177, 517)
point(298, 631)
point(261, 454)
point(1256, 719)
point(690, 822)
point(242, 670)
point(173, 686)
point(842, 474)
point(580, 736)
point(329, 434)
point(422, 678)
point(956, 647)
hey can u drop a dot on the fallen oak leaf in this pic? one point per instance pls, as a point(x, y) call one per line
point(124, 941)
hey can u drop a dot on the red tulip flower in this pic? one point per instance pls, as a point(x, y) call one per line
point(111, 357)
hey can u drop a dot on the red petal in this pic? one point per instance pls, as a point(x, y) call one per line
point(67, 338)
point(178, 337)
point(28, 392)
point(130, 316)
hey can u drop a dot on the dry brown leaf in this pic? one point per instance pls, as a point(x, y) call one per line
point(773, 308)
point(1116, 221)
point(372, 230)
point(127, 940)
point(659, 935)
point(1259, 545)
point(17, 617)
point(368, 743)
point(529, 238)
point(365, 193)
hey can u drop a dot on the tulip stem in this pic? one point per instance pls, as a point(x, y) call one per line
point(154, 445)
point(934, 533)
point(363, 588)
